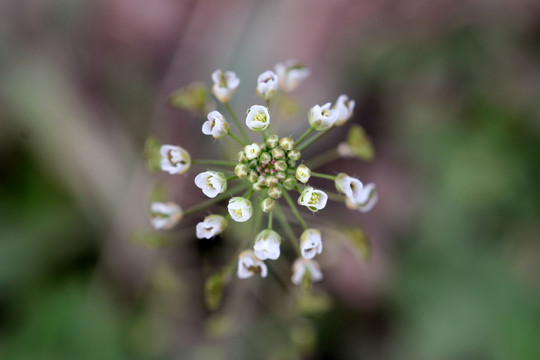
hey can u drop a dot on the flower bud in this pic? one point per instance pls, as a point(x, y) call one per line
point(289, 183)
point(271, 181)
point(280, 165)
point(225, 84)
point(294, 154)
point(241, 156)
point(272, 141)
point(253, 176)
point(241, 170)
point(281, 175)
point(216, 125)
point(258, 118)
point(258, 186)
point(303, 173)
point(265, 157)
point(286, 143)
point(252, 151)
point(268, 204)
point(274, 192)
point(322, 118)
point(267, 84)
point(291, 162)
point(278, 153)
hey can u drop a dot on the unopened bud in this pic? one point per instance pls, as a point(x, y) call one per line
point(274, 192)
point(286, 143)
point(253, 176)
point(294, 154)
point(281, 175)
point(271, 181)
point(278, 153)
point(265, 157)
point(272, 141)
point(258, 186)
point(289, 183)
point(241, 170)
point(241, 156)
point(280, 165)
point(268, 204)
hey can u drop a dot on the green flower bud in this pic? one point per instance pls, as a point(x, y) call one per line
point(258, 186)
point(271, 181)
point(268, 204)
point(291, 162)
point(265, 157)
point(275, 192)
point(289, 183)
point(241, 156)
point(281, 175)
point(294, 154)
point(253, 163)
point(278, 153)
point(253, 176)
point(286, 143)
point(241, 170)
point(272, 141)
point(280, 165)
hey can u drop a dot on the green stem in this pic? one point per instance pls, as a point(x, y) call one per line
point(194, 209)
point(308, 131)
point(335, 197)
point(263, 136)
point(289, 232)
point(324, 176)
point(237, 122)
point(294, 209)
point(311, 140)
point(270, 220)
point(232, 178)
point(236, 138)
point(213, 162)
point(323, 158)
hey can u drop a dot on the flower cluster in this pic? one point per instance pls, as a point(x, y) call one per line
point(268, 170)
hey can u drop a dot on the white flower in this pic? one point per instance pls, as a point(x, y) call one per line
point(240, 209)
point(322, 118)
point(315, 200)
point(351, 187)
point(174, 159)
point(303, 267)
point(252, 151)
point(267, 245)
point(225, 84)
point(211, 183)
point(258, 118)
point(303, 173)
point(365, 199)
point(216, 125)
point(165, 215)
point(345, 108)
point(211, 226)
point(290, 74)
point(249, 264)
point(267, 84)
point(310, 243)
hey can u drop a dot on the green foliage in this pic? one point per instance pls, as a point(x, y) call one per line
point(152, 154)
point(194, 97)
point(359, 143)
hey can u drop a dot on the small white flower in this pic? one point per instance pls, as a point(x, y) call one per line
point(322, 118)
point(252, 151)
point(290, 74)
point(315, 200)
point(351, 187)
point(249, 264)
point(303, 267)
point(365, 200)
point(258, 118)
point(267, 84)
point(303, 173)
point(211, 226)
point(165, 215)
point(240, 209)
point(225, 84)
point(211, 183)
point(310, 243)
point(267, 245)
point(216, 125)
point(174, 159)
point(345, 108)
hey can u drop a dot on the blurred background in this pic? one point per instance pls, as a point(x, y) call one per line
point(448, 92)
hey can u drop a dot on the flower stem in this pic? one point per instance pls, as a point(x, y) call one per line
point(289, 232)
point(237, 122)
point(236, 138)
point(213, 162)
point(308, 131)
point(335, 197)
point(294, 209)
point(194, 209)
point(270, 220)
point(323, 176)
point(311, 140)
point(263, 136)
point(323, 158)
point(232, 178)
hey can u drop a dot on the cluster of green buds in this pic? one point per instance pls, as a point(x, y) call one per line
point(267, 172)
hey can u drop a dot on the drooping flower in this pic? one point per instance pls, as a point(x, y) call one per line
point(314, 200)
point(258, 118)
point(216, 125)
point(211, 183)
point(225, 84)
point(174, 159)
point(303, 173)
point(349, 186)
point(322, 118)
point(267, 245)
point(165, 215)
point(290, 74)
point(267, 84)
point(240, 209)
point(365, 199)
point(310, 243)
point(345, 108)
point(211, 226)
point(304, 267)
point(249, 264)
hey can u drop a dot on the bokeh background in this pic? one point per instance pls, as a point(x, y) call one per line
point(448, 91)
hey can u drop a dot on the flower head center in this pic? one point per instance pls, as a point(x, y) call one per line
point(315, 199)
point(260, 117)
